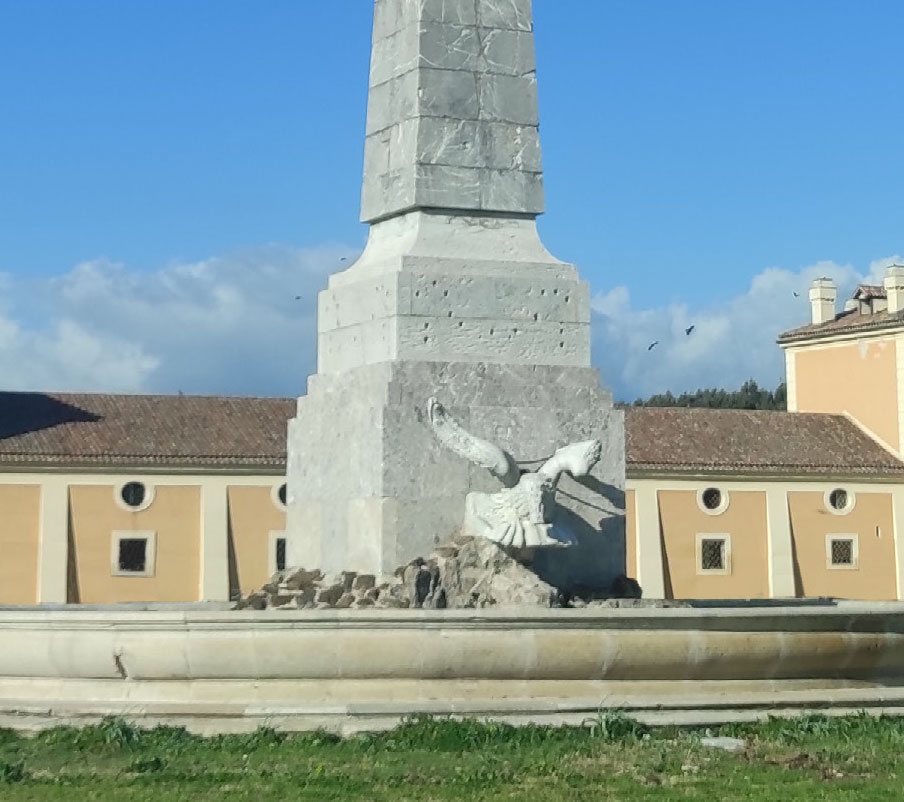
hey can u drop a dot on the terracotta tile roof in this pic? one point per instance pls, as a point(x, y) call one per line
point(843, 323)
point(198, 433)
point(143, 430)
point(867, 292)
point(745, 441)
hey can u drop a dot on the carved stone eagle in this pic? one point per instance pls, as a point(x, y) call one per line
point(523, 514)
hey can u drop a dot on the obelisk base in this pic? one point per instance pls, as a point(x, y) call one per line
point(370, 488)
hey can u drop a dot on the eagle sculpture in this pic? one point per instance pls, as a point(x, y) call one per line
point(523, 514)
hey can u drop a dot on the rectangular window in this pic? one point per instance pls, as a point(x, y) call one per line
point(133, 554)
point(842, 552)
point(280, 554)
point(713, 554)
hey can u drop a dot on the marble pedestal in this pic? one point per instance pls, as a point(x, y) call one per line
point(371, 488)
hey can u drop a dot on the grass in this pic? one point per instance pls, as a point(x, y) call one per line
point(614, 758)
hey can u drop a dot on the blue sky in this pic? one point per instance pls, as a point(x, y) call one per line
point(700, 156)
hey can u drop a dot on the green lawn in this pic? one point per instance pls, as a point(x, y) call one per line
point(804, 759)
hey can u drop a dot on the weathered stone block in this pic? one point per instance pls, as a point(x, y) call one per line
point(345, 601)
point(302, 578)
point(330, 595)
point(448, 47)
point(508, 98)
point(439, 186)
point(511, 14)
point(364, 582)
point(307, 597)
point(394, 55)
point(455, 12)
point(392, 102)
point(442, 93)
point(454, 143)
point(507, 146)
point(510, 190)
point(507, 52)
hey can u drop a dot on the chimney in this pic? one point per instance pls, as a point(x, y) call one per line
point(823, 294)
point(894, 288)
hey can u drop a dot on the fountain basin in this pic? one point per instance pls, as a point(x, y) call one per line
point(224, 670)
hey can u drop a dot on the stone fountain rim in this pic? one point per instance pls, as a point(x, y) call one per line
point(842, 616)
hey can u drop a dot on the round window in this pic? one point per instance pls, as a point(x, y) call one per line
point(839, 500)
point(282, 495)
point(133, 494)
point(712, 498)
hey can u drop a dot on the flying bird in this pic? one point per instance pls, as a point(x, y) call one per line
point(796, 294)
point(689, 330)
point(344, 259)
point(652, 345)
point(297, 297)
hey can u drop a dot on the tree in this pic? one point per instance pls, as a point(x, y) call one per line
point(749, 396)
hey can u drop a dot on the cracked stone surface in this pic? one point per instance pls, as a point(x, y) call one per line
point(452, 119)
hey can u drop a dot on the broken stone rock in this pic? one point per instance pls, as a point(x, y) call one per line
point(330, 595)
point(345, 601)
point(302, 578)
point(364, 582)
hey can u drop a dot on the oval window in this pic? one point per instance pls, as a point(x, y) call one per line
point(712, 498)
point(133, 494)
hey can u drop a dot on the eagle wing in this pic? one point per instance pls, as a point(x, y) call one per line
point(480, 452)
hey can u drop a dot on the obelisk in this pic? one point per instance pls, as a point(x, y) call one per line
point(456, 297)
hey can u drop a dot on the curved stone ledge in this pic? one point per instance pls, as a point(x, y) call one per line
point(849, 641)
point(299, 667)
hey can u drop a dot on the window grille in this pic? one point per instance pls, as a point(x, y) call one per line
point(839, 499)
point(712, 555)
point(712, 498)
point(842, 551)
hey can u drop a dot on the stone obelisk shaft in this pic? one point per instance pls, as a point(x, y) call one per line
point(452, 119)
point(455, 296)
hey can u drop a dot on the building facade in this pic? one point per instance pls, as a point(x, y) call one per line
point(122, 498)
point(117, 498)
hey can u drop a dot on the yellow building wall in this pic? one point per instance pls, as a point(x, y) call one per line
point(744, 521)
point(859, 378)
point(175, 517)
point(871, 520)
point(630, 535)
point(252, 517)
point(20, 521)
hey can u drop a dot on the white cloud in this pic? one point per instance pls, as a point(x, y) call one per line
point(233, 325)
point(733, 340)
